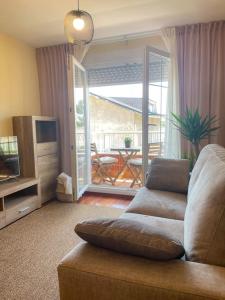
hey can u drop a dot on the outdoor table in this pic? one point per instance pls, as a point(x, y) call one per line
point(125, 154)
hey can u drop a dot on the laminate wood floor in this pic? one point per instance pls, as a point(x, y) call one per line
point(106, 200)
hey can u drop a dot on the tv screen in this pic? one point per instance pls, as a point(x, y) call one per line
point(9, 158)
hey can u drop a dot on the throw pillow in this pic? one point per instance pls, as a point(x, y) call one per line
point(168, 175)
point(130, 237)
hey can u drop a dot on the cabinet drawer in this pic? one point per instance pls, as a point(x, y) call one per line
point(2, 219)
point(22, 209)
point(48, 164)
point(46, 148)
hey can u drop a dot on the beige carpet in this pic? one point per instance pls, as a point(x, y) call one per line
point(31, 248)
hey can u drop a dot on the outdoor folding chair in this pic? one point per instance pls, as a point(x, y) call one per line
point(102, 165)
point(136, 164)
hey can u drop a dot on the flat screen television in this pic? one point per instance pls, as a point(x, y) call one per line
point(9, 158)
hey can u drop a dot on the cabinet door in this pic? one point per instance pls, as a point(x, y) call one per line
point(2, 219)
point(48, 168)
point(47, 148)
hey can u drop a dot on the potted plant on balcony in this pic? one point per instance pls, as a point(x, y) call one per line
point(127, 142)
point(194, 127)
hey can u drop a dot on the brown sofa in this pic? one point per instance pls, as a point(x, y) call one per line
point(196, 218)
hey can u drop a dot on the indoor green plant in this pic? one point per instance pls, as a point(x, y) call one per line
point(194, 127)
point(127, 141)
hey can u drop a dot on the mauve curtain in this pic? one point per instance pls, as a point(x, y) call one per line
point(201, 66)
point(172, 135)
point(53, 81)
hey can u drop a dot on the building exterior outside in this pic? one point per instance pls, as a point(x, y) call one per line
point(112, 119)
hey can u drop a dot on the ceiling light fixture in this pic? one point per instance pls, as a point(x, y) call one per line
point(78, 27)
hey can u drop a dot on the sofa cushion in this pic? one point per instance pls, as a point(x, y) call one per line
point(175, 228)
point(158, 203)
point(94, 273)
point(131, 237)
point(170, 175)
point(204, 224)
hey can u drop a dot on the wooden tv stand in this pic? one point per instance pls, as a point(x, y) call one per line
point(18, 197)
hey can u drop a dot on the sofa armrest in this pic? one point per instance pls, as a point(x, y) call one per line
point(92, 273)
point(170, 175)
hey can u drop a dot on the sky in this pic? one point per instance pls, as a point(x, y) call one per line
point(131, 90)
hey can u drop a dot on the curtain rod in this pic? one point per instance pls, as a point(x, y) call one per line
point(126, 37)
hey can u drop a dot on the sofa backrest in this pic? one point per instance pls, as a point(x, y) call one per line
point(204, 222)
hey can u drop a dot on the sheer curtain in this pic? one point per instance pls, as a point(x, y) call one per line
point(172, 136)
point(201, 63)
point(52, 65)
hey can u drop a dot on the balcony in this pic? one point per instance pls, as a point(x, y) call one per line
point(105, 141)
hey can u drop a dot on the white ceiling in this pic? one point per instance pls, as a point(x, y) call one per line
point(40, 22)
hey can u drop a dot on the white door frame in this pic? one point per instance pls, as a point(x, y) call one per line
point(111, 190)
point(145, 108)
point(72, 62)
point(104, 189)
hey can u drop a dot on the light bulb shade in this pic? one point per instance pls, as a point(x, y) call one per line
point(78, 27)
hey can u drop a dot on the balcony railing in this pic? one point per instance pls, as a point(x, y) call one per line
point(107, 140)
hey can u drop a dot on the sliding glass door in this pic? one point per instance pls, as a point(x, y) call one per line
point(79, 123)
point(155, 89)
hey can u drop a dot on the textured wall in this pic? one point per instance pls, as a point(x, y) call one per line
point(19, 90)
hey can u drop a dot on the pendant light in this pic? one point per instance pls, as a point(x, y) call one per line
point(78, 27)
